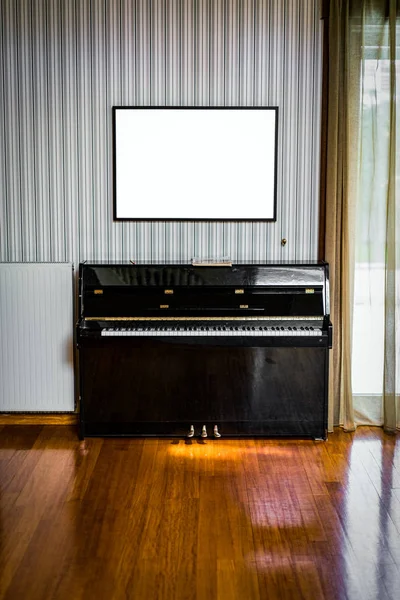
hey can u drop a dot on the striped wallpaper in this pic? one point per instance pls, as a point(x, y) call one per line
point(65, 63)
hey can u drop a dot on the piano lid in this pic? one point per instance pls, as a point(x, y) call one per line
point(249, 275)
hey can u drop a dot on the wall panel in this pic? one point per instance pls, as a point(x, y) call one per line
point(64, 64)
point(36, 345)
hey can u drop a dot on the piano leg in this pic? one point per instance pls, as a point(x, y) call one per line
point(81, 432)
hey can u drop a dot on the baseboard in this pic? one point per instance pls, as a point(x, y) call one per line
point(38, 419)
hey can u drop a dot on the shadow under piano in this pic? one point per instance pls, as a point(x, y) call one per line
point(181, 350)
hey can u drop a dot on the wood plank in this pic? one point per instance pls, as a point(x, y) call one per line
point(38, 419)
point(157, 518)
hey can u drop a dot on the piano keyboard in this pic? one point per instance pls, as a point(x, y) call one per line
point(213, 331)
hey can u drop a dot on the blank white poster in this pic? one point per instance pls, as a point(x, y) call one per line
point(192, 164)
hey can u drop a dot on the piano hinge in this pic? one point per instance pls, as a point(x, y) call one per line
point(244, 306)
point(164, 305)
point(98, 291)
point(309, 290)
point(168, 291)
point(239, 291)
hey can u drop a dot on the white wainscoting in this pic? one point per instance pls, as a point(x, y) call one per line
point(36, 337)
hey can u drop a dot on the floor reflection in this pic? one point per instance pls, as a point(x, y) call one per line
point(371, 518)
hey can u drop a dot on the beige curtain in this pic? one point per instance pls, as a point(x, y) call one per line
point(339, 249)
point(362, 213)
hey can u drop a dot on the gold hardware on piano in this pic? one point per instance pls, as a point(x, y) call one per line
point(239, 291)
point(244, 306)
point(98, 291)
point(309, 290)
point(164, 305)
point(168, 291)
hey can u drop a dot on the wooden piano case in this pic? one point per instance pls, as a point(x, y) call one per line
point(149, 387)
point(141, 386)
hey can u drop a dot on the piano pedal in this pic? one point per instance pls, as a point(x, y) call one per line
point(190, 433)
point(204, 432)
point(216, 432)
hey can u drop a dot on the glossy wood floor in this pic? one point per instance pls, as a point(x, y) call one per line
point(164, 519)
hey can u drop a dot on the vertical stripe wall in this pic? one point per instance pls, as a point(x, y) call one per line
point(65, 63)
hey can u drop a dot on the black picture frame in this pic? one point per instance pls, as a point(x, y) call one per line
point(165, 218)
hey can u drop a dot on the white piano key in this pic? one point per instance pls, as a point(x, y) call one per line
point(213, 331)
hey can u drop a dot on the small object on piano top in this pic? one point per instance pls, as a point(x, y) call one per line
point(224, 261)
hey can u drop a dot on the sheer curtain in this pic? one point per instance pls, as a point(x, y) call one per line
point(375, 352)
point(363, 192)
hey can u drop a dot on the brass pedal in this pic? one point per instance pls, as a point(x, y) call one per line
point(204, 432)
point(190, 433)
point(216, 432)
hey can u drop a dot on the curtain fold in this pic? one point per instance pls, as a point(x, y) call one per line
point(391, 383)
point(362, 214)
point(338, 241)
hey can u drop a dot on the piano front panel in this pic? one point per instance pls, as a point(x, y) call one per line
point(144, 387)
point(103, 302)
point(121, 290)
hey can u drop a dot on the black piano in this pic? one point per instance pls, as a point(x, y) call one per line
point(181, 350)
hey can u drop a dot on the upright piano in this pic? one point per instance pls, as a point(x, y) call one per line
point(182, 350)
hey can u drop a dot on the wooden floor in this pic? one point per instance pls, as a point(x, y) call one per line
point(214, 519)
